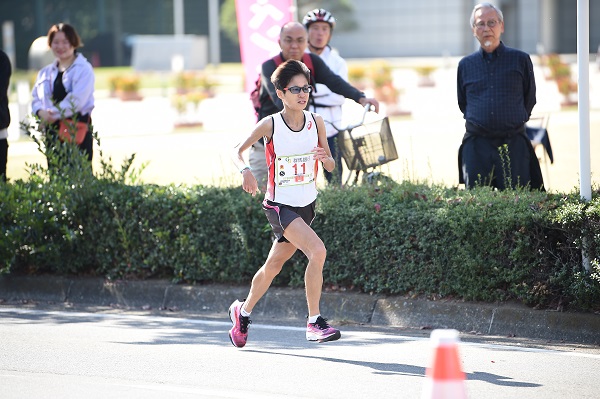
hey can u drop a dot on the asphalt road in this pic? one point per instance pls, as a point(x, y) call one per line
point(56, 353)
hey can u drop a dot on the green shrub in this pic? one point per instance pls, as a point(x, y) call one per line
point(408, 239)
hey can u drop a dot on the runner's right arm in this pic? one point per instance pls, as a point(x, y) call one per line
point(264, 128)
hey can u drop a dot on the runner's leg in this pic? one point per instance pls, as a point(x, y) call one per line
point(279, 254)
point(303, 237)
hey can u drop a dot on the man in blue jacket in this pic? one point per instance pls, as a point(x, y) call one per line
point(496, 94)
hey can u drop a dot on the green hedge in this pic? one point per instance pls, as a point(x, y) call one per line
point(413, 239)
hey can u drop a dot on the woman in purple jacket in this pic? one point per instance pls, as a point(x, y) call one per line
point(65, 88)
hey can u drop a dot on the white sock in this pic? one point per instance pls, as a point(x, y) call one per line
point(313, 319)
point(244, 313)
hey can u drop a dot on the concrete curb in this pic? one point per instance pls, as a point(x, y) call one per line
point(285, 303)
point(500, 320)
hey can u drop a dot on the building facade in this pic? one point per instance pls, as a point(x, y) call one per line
point(383, 29)
point(441, 27)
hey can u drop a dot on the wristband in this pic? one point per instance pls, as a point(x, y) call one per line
point(244, 168)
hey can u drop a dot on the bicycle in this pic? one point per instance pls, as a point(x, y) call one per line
point(367, 146)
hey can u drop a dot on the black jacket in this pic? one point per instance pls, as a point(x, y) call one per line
point(5, 71)
point(270, 103)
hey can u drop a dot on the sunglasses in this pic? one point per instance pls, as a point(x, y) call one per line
point(298, 89)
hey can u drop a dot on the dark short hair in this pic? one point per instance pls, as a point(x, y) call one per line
point(286, 71)
point(69, 32)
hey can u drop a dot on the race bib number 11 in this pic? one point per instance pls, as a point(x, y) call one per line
point(295, 169)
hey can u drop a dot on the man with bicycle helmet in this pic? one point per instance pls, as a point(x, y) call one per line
point(319, 24)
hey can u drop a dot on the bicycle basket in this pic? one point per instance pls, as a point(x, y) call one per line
point(368, 145)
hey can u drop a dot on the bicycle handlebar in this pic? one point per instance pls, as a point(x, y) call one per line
point(367, 108)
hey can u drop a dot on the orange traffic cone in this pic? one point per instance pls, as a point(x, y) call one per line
point(445, 378)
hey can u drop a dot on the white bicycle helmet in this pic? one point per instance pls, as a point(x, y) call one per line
point(318, 15)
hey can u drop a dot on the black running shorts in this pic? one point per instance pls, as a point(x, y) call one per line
point(280, 216)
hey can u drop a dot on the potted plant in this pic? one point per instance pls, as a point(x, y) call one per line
point(383, 84)
point(190, 89)
point(424, 72)
point(380, 72)
point(126, 87)
point(357, 75)
point(566, 86)
point(187, 106)
point(561, 73)
point(187, 82)
point(549, 63)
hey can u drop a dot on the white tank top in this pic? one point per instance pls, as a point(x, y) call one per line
point(291, 163)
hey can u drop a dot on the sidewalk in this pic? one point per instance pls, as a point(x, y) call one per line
point(502, 320)
point(427, 141)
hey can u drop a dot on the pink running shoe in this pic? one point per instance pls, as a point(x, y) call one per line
point(239, 332)
point(321, 331)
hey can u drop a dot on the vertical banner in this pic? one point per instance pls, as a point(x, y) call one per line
point(259, 23)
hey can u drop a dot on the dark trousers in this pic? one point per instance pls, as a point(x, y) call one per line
point(334, 177)
point(497, 162)
point(3, 158)
point(87, 147)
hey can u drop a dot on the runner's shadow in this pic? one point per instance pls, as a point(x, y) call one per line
point(499, 380)
point(407, 369)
